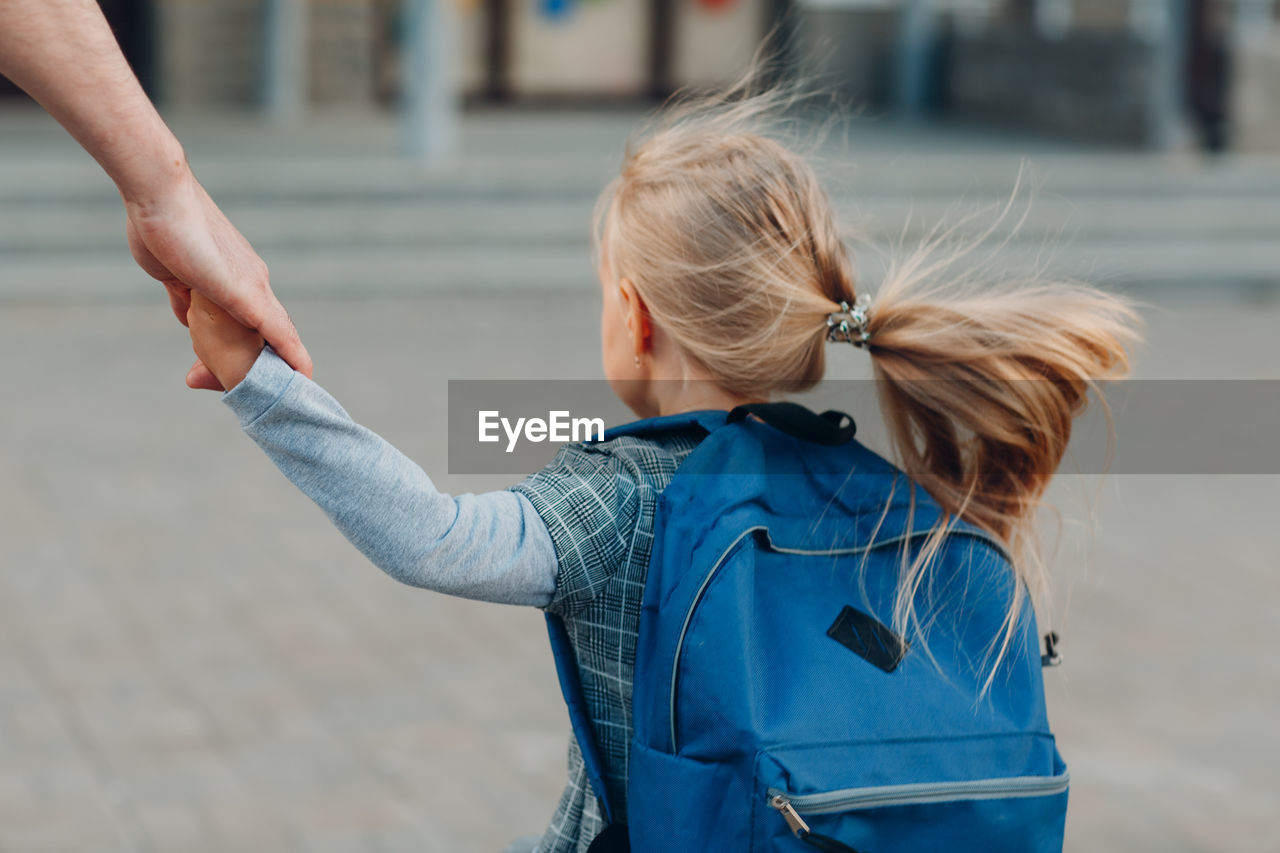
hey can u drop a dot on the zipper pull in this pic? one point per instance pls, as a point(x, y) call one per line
point(798, 827)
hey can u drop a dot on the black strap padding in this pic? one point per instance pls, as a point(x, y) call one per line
point(830, 428)
point(613, 839)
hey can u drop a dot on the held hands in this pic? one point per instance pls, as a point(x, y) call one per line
point(225, 347)
point(181, 238)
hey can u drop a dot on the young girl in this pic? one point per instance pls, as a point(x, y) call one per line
point(723, 279)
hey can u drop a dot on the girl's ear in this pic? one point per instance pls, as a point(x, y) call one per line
point(636, 315)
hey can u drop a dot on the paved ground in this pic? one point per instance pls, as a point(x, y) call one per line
point(191, 659)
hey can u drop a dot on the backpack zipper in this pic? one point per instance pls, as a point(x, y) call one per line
point(832, 552)
point(801, 830)
point(789, 814)
point(852, 799)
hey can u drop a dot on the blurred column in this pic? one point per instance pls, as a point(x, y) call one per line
point(1207, 64)
point(913, 55)
point(284, 65)
point(1149, 19)
point(1253, 21)
point(1163, 25)
point(662, 28)
point(1053, 18)
point(497, 49)
point(429, 106)
point(971, 16)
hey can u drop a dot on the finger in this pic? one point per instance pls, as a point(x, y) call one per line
point(143, 256)
point(202, 379)
point(251, 302)
point(179, 300)
point(279, 331)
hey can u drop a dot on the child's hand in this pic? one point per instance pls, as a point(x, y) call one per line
point(227, 348)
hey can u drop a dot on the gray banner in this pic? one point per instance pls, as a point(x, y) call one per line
point(515, 427)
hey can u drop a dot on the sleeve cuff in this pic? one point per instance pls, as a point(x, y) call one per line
point(264, 384)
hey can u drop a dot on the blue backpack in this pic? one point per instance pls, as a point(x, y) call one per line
point(774, 708)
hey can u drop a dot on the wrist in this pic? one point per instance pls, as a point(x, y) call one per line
point(234, 368)
point(150, 178)
point(266, 383)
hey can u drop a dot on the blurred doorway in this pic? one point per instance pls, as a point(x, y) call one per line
point(133, 22)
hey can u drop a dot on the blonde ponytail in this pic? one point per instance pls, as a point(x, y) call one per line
point(979, 387)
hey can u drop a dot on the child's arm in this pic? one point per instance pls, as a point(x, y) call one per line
point(492, 546)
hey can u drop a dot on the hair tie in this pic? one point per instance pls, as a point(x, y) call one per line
point(849, 324)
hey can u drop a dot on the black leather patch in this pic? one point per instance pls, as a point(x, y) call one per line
point(868, 639)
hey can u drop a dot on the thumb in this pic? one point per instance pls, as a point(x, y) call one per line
point(202, 379)
point(279, 331)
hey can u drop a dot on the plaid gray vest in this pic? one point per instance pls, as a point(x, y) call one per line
point(598, 502)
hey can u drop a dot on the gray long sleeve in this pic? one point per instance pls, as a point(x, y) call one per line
point(493, 546)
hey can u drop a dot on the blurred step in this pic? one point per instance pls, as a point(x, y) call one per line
point(70, 176)
point(293, 224)
point(1243, 268)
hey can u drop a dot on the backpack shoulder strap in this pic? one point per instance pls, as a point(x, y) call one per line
point(561, 647)
point(831, 428)
point(579, 718)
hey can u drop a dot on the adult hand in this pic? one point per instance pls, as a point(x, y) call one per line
point(183, 240)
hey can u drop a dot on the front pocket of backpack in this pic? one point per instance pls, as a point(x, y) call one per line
point(932, 816)
point(1022, 813)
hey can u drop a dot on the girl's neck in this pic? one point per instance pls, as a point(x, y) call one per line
point(695, 395)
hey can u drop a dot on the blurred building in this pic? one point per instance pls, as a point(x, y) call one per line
point(1140, 72)
point(219, 52)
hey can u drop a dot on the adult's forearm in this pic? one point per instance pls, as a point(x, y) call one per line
point(63, 54)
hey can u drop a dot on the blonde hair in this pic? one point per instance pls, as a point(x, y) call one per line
point(732, 243)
